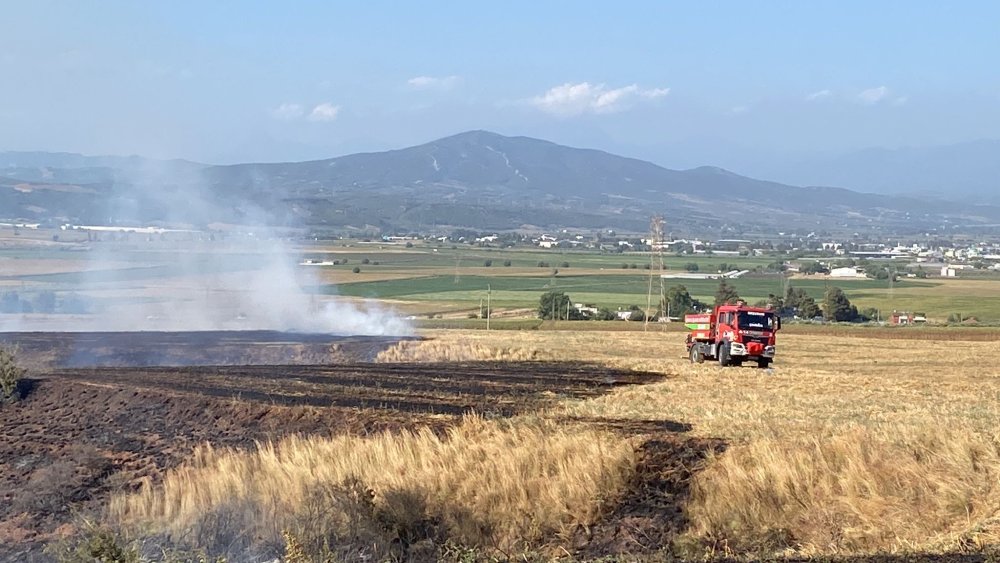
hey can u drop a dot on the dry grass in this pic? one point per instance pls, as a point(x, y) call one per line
point(850, 445)
point(504, 485)
point(858, 491)
point(458, 350)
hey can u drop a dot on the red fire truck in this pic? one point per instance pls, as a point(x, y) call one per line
point(733, 334)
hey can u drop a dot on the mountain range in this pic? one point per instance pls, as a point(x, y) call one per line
point(477, 179)
point(967, 171)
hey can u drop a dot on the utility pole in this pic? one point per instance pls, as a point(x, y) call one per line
point(489, 313)
point(655, 263)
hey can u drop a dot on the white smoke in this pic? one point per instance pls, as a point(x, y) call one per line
point(202, 276)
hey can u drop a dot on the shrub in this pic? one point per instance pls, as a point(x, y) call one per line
point(487, 263)
point(10, 374)
point(356, 270)
point(365, 261)
point(506, 263)
point(97, 543)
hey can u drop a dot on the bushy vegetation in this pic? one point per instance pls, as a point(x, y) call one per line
point(10, 374)
point(726, 293)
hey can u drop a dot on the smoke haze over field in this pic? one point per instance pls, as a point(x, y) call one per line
point(190, 278)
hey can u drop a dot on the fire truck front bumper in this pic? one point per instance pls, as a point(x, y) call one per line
point(740, 349)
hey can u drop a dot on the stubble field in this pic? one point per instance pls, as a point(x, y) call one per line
point(524, 443)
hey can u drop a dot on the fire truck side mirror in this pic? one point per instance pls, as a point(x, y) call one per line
point(777, 323)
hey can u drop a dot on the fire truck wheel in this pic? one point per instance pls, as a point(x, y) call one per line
point(763, 363)
point(696, 356)
point(724, 359)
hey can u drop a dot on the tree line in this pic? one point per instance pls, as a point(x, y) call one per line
point(678, 301)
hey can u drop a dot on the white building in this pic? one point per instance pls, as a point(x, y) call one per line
point(947, 272)
point(848, 272)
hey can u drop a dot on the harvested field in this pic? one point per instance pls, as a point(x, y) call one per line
point(856, 443)
point(82, 434)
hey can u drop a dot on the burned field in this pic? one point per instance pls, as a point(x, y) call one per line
point(81, 434)
point(46, 350)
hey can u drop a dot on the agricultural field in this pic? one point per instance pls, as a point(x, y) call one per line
point(539, 444)
point(450, 281)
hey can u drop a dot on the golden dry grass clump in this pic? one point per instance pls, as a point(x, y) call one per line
point(493, 484)
point(859, 491)
point(457, 350)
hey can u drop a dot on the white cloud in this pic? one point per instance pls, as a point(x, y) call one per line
point(433, 82)
point(818, 95)
point(287, 111)
point(873, 95)
point(324, 112)
point(738, 110)
point(900, 101)
point(575, 99)
point(654, 93)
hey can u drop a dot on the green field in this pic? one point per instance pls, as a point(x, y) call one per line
point(605, 290)
point(429, 279)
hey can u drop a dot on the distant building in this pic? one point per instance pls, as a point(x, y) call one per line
point(947, 272)
point(904, 318)
point(848, 272)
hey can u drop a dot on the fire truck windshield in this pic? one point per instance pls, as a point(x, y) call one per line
point(753, 320)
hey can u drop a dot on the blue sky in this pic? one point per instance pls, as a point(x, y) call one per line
point(681, 84)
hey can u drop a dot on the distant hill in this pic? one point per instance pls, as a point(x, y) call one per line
point(964, 171)
point(476, 179)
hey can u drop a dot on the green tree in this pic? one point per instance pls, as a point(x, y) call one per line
point(812, 267)
point(553, 305)
point(808, 308)
point(800, 303)
point(726, 293)
point(837, 307)
point(691, 267)
point(605, 314)
point(868, 314)
point(678, 302)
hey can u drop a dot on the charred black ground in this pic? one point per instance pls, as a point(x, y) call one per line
point(47, 350)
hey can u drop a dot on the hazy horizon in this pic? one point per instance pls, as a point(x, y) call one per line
point(680, 85)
